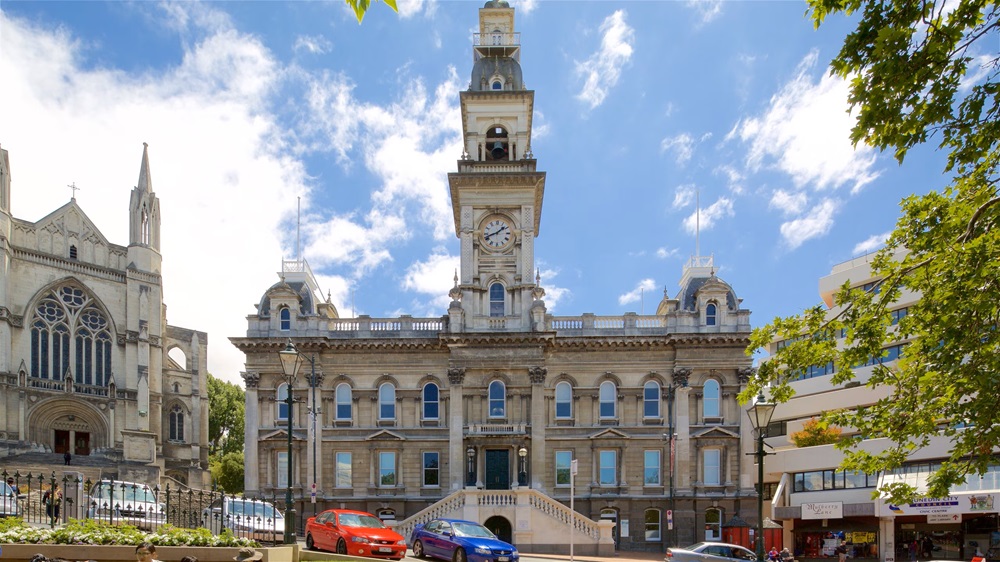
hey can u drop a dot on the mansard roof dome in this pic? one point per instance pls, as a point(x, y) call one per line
point(497, 4)
point(488, 71)
point(688, 295)
point(296, 288)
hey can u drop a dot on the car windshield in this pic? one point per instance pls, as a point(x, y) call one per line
point(355, 520)
point(251, 509)
point(472, 530)
point(126, 493)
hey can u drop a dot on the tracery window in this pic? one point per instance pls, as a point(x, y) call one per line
point(68, 324)
point(176, 424)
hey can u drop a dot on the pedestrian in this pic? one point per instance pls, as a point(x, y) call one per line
point(772, 555)
point(67, 458)
point(247, 553)
point(912, 550)
point(786, 555)
point(927, 546)
point(146, 552)
point(841, 551)
point(13, 486)
point(39, 558)
point(52, 499)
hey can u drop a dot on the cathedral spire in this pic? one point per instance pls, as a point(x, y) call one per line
point(145, 182)
point(144, 209)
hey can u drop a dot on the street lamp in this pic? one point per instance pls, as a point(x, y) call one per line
point(522, 475)
point(471, 479)
point(760, 417)
point(290, 361)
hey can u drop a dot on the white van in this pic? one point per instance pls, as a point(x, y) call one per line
point(118, 501)
point(246, 518)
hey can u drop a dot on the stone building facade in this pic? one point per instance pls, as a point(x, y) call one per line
point(492, 404)
point(84, 343)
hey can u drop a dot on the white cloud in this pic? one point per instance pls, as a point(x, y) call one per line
point(870, 244)
point(723, 207)
point(734, 178)
point(805, 133)
point(684, 195)
point(314, 44)
point(433, 277)
point(707, 9)
point(788, 203)
point(980, 68)
point(636, 294)
point(664, 253)
point(603, 69)
point(526, 6)
point(554, 294)
point(816, 223)
point(682, 144)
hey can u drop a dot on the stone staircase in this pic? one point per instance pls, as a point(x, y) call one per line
point(37, 463)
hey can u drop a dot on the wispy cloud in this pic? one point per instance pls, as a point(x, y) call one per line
point(817, 222)
point(682, 145)
point(314, 44)
point(432, 278)
point(684, 196)
point(603, 69)
point(871, 243)
point(723, 207)
point(664, 253)
point(642, 287)
point(788, 203)
point(707, 9)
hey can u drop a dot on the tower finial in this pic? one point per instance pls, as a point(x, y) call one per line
point(75, 189)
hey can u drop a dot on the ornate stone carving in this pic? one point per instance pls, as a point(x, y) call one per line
point(456, 375)
point(537, 374)
point(745, 374)
point(250, 378)
point(318, 376)
point(681, 375)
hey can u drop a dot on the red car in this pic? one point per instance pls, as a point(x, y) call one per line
point(356, 533)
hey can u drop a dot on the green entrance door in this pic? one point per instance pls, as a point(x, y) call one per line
point(497, 469)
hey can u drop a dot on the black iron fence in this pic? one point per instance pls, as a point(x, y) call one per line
point(43, 498)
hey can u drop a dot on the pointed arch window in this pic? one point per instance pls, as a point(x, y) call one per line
point(69, 326)
point(386, 402)
point(496, 300)
point(710, 314)
point(281, 398)
point(607, 397)
point(710, 400)
point(176, 424)
point(285, 319)
point(72, 252)
point(564, 401)
point(430, 401)
point(651, 399)
point(343, 401)
point(498, 399)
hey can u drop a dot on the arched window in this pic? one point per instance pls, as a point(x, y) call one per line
point(67, 323)
point(176, 424)
point(281, 398)
point(343, 401)
point(497, 85)
point(285, 319)
point(496, 300)
point(651, 399)
point(564, 400)
point(652, 518)
point(498, 399)
point(713, 524)
point(608, 399)
point(386, 401)
point(710, 312)
point(177, 388)
point(710, 400)
point(430, 399)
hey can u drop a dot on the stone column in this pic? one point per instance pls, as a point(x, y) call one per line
point(536, 469)
point(456, 448)
point(251, 430)
point(682, 445)
point(315, 431)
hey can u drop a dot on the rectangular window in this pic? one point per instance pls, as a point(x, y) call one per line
point(712, 468)
point(282, 467)
point(431, 469)
point(387, 469)
point(343, 470)
point(651, 468)
point(608, 468)
point(563, 459)
point(652, 525)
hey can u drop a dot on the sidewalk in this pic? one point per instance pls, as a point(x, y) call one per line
point(620, 556)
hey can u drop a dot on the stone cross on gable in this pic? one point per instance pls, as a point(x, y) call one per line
point(74, 188)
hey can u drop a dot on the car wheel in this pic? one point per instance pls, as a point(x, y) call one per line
point(341, 547)
point(418, 549)
point(310, 545)
point(459, 555)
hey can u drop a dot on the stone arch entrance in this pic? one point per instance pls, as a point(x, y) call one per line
point(67, 425)
point(500, 527)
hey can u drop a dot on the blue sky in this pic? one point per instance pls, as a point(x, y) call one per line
point(641, 109)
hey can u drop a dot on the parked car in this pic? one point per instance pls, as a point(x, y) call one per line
point(710, 552)
point(8, 501)
point(460, 541)
point(118, 501)
point(357, 533)
point(247, 518)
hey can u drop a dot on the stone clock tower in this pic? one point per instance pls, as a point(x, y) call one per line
point(497, 192)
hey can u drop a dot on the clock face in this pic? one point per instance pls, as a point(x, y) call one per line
point(497, 233)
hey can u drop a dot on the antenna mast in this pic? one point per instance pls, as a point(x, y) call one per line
point(298, 228)
point(697, 221)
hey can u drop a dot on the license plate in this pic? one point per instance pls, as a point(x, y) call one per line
point(503, 558)
point(384, 549)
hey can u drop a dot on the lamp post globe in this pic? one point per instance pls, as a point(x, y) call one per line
point(760, 417)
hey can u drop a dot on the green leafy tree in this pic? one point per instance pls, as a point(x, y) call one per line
point(227, 472)
point(226, 416)
point(816, 432)
point(360, 7)
point(919, 72)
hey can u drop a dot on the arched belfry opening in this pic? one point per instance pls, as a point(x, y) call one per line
point(497, 144)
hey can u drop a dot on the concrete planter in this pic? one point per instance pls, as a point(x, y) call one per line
point(74, 552)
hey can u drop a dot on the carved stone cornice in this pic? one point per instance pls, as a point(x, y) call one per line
point(456, 375)
point(318, 376)
point(250, 378)
point(681, 375)
point(537, 374)
point(745, 374)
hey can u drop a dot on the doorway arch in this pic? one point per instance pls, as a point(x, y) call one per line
point(501, 528)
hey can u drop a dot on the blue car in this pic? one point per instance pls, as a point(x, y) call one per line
point(460, 541)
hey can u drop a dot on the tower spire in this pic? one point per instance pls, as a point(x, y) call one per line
point(145, 181)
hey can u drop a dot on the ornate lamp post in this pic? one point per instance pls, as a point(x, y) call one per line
point(760, 417)
point(522, 475)
point(290, 361)
point(470, 453)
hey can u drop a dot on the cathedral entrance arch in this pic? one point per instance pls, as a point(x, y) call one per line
point(500, 527)
point(67, 425)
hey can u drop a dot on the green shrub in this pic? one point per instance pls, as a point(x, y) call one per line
point(90, 531)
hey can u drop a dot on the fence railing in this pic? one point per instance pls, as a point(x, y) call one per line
point(43, 498)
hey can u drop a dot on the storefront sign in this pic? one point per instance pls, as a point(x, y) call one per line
point(952, 505)
point(944, 518)
point(825, 510)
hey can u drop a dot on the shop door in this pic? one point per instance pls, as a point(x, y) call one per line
point(82, 446)
point(61, 444)
point(497, 469)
